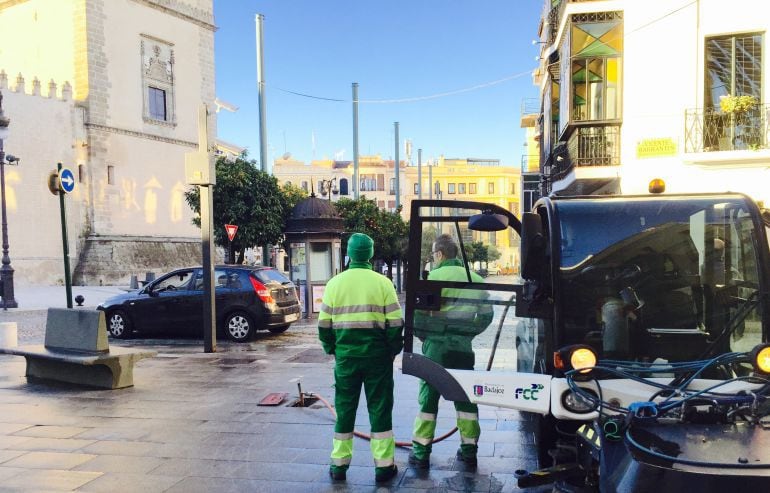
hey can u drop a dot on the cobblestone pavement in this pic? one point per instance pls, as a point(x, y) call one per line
point(191, 423)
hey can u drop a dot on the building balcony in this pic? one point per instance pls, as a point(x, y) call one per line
point(586, 163)
point(710, 130)
point(554, 17)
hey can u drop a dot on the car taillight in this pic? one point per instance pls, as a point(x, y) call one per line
point(262, 291)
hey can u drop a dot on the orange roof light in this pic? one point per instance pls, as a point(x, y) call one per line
point(657, 185)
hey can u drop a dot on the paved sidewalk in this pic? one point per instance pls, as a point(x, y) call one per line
point(191, 424)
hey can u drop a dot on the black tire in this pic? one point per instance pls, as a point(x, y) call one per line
point(118, 324)
point(280, 329)
point(239, 327)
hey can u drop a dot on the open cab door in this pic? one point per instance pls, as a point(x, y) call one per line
point(461, 330)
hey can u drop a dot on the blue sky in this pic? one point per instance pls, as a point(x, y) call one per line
point(394, 49)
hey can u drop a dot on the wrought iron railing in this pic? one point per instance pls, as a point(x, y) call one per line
point(554, 17)
point(595, 146)
point(587, 145)
point(710, 130)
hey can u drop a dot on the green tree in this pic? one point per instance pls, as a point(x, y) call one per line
point(247, 197)
point(493, 254)
point(392, 234)
point(387, 229)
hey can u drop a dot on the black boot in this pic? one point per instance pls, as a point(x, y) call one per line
point(386, 475)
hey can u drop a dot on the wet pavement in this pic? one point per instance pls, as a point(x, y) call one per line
point(191, 423)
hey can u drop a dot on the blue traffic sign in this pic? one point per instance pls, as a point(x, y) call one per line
point(66, 180)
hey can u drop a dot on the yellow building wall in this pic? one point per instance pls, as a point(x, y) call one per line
point(37, 39)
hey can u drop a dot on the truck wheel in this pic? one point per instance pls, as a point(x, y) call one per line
point(546, 440)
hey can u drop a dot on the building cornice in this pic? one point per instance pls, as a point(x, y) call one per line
point(141, 135)
point(182, 11)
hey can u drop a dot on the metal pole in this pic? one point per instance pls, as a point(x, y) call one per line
point(65, 244)
point(430, 180)
point(397, 170)
point(6, 271)
point(209, 311)
point(396, 167)
point(419, 173)
point(264, 165)
point(261, 87)
point(356, 184)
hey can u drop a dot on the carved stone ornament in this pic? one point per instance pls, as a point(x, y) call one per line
point(158, 66)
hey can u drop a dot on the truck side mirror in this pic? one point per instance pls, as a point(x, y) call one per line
point(532, 246)
point(487, 221)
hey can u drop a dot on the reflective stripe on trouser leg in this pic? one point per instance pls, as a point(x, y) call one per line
point(342, 450)
point(468, 425)
point(425, 422)
point(347, 389)
point(378, 387)
point(383, 446)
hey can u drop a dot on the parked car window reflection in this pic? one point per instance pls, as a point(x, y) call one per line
point(175, 282)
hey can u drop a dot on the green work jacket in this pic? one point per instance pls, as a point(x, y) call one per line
point(360, 315)
point(463, 314)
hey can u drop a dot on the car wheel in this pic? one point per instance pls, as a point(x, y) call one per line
point(280, 329)
point(118, 325)
point(238, 327)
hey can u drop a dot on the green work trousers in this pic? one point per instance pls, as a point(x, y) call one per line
point(449, 354)
point(376, 376)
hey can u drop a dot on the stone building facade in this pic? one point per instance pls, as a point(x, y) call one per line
point(111, 89)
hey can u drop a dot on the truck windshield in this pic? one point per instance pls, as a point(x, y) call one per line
point(659, 278)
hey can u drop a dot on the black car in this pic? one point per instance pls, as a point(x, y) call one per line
point(247, 299)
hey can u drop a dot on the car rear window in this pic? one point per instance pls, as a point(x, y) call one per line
point(268, 275)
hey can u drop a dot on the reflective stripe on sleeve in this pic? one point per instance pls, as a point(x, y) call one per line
point(369, 324)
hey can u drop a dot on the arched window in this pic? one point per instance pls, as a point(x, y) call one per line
point(343, 186)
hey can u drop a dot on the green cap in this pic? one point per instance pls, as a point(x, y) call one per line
point(360, 247)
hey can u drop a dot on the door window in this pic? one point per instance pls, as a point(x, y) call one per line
point(176, 281)
point(464, 313)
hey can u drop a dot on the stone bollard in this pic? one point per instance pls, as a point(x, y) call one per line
point(134, 283)
point(8, 334)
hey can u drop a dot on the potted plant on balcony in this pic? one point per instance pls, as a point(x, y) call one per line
point(735, 109)
point(737, 105)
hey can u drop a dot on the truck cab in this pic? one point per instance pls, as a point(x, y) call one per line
point(647, 284)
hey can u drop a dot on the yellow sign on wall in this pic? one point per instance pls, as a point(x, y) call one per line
point(655, 148)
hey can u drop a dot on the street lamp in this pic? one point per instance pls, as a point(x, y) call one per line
point(328, 188)
point(6, 271)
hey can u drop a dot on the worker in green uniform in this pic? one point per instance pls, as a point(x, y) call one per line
point(360, 323)
point(446, 337)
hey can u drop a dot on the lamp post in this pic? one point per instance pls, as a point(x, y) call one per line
point(6, 271)
point(327, 188)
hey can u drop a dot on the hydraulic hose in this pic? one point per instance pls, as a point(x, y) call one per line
point(365, 436)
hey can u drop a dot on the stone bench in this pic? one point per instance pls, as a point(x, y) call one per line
point(76, 351)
